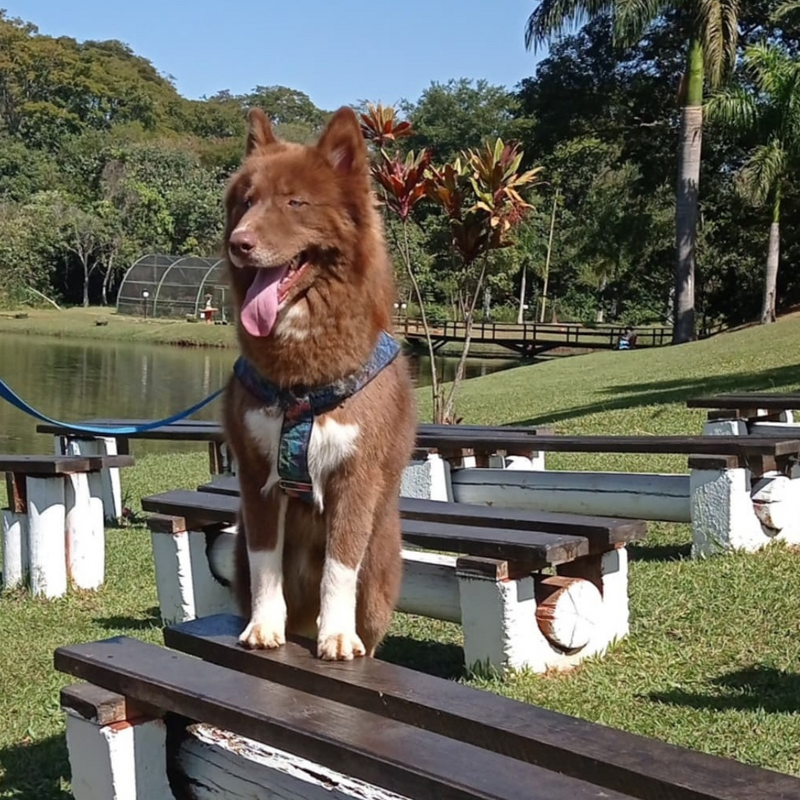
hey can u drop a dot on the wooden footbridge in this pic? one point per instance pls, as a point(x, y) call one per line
point(531, 338)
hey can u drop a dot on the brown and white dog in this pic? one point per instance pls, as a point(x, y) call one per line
point(314, 289)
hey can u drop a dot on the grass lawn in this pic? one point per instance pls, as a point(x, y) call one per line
point(712, 660)
point(81, 323)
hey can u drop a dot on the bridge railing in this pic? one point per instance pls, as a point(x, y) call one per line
point(530, 334)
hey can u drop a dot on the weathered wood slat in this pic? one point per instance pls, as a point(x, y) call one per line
point(600, 531)
point(382, 751)
point(60, 465)
point(532, 549)
point(743, 446)
point(529, 549)
point(767, 400)
point(641, 767)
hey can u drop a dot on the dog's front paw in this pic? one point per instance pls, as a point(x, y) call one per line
point(258, 636)
point(340, 646)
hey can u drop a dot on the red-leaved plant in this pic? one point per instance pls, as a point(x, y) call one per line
point(480, 194)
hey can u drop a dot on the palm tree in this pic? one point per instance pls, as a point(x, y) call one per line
point(710, 28)
point(769, 110)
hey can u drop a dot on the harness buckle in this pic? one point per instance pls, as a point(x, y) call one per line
point(296, 488)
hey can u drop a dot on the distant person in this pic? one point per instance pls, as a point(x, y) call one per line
point(208, 310)
point(628, 340)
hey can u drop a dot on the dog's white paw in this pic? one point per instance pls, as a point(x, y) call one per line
point(261, 636)
point(340, 646)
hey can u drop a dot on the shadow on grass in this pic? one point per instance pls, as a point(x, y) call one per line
point(35, 771)
point(659, 552)
point(152, 620)
point(755, 688)
point(632, 395)
point(434, 658)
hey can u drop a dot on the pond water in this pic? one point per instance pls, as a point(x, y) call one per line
point(74, 380)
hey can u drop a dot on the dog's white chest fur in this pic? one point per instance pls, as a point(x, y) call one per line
point(330, 445)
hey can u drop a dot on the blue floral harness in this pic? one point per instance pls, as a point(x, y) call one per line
point(300, 410)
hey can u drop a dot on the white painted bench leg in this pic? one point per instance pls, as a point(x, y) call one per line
point(120, 759)
point(427, 480)
point(498, 618)
point(106, 482)
point(15, 548)
point(210, 596)
point(723, 517)
point(46, 532)
point(173, 564)
point(725, 427)
point(85, 533)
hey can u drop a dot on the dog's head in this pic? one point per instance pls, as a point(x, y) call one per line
point(295, 219)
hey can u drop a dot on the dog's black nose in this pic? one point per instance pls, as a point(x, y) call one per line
point(242, 242)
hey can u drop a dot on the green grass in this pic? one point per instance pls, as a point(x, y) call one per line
point(81, 323)
point(712, 659)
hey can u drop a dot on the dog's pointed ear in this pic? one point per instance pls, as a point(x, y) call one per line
point(342, 143)
point(259, 133)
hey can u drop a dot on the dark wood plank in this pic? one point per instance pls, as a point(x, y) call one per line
point(642, 767)
point(98, 705)
point(532, 549)
point(600, 530)
point(193, 505)
point(197, 431)
point(766, 400)
point(43, 465)
point(743, 446)
point(384, 752)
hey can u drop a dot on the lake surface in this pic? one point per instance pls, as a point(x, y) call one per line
point(74, 380)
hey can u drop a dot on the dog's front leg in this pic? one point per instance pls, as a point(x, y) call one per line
point(265, 522)
point(349, 526)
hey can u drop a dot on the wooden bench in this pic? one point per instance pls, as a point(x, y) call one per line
point(741, 492)
point(68, 441)
point(748, 406)
point(53, 528)
point(535, 591)
point(204, 718)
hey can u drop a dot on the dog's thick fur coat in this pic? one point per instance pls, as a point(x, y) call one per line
point(331, 569)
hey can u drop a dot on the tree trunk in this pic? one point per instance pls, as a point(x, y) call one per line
point(522, 287)
point(107, 279)
point(687, 196)
point(85, 284)
point(773, 255)
point(549, 251)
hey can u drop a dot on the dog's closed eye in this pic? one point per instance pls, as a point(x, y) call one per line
point(296, 202)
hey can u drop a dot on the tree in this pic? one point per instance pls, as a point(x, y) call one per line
point(710, 29)
point(459, 114)
point(769, 110)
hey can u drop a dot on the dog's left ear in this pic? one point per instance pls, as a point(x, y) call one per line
point(259, 133)
point(342, 143)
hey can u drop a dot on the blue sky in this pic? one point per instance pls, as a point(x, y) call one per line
point(336, 51)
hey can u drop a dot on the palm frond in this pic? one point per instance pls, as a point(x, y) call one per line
point(632, 17)
point(717, 27)
point(785, 9)
point(554, 17)
point(762, 171)
point(735, 108)
point(769, 66)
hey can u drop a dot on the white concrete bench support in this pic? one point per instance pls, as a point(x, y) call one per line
point(115, 751)
point(105, 483)
point(504, 624)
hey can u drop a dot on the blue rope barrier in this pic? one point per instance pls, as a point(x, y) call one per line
point(8, 394)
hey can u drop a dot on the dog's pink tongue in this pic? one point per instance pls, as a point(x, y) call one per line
point(260, 307)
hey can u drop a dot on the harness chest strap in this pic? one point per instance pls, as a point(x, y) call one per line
point(301, 408)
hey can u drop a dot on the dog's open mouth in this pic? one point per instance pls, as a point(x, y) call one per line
point(294, 269)
point(268, 292)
